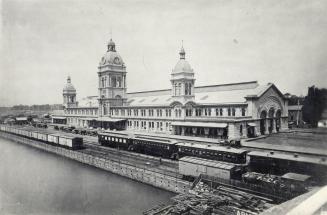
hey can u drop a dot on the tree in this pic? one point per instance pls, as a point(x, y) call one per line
point(314, 104)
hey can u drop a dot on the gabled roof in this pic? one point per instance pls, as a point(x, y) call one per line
point(234, 93)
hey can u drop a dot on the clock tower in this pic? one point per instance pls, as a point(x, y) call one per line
point(112, 80)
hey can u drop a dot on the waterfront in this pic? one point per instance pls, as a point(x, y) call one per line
point(36, 182)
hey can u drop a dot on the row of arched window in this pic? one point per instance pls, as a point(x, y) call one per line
point(115, 81)
point(178, 89)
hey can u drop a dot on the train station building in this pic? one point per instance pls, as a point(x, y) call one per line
point(226, 111)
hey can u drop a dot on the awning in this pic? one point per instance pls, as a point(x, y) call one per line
point(89, 119)
point(201, 124)
point(107, 119)
point(251, 124)
point(58, 117)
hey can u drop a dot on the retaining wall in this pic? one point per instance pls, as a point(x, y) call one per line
point(155, 179)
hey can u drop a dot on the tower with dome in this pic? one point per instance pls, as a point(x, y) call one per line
point(182, 80)
point(69, 94)
point(112, 80)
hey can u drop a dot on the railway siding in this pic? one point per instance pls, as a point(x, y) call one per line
point(142, 175)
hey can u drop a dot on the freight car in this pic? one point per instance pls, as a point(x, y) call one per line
point(192, 167)
point(65, 141)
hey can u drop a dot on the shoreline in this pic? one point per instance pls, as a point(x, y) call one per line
point(155, 179)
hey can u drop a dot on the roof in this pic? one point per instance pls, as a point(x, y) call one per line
point(212, 147)
point(59, 117)
point(206, 162)
point(155, 139)
point(295, 176)
point(108, 119)
point(295, 107)
point(288, 148)
point(201, 124)
point(90, 101)
point(291, 157)
point(57, 113)
point(182, 66)
point(234, 93)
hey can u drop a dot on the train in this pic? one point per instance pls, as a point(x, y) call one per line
point(170, 148)
point(56, 139)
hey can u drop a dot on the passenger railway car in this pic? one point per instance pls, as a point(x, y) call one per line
point(66, 141)
point(119, 140)
point(155, 146)
point(213, 152)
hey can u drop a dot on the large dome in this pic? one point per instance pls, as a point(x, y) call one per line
point(69, 87)
point(111, 56)
point(182, 65)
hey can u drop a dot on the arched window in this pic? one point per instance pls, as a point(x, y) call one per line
point(118, 81)
point(179, 88)
point(105, 109)
point(175, 90)
point(190, 89)
point(243, 111)
point(113, 81)
point(186, 88)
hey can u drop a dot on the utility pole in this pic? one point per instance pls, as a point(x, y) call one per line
point(298, 112)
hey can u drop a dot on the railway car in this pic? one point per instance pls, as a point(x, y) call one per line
point(192, 167)
point(70, 142)
point(161, 147)
point(53, 139)
point(121, 140)
point(280, 163)
point(213, 152)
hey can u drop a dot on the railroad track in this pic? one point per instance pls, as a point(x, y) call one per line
point(134, 161)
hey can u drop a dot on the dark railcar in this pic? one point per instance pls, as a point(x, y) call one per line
point(116, 140)
point(213, 152)
point(156, 146)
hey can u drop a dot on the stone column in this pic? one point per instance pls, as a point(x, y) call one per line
point(206, 132)
point(266, 126)
point(283, 124)
point(231, 131)
point(274, 126)
point(244, 131)
point(183, 131)
point(194, 131)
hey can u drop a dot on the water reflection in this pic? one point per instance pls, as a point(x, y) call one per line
point(36, 182)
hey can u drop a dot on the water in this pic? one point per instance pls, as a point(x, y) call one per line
point(36, 182)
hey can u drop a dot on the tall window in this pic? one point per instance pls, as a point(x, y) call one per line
point(243, 111)
point(113, 81)
point(179, 89)
point(175, 88)
point(233, 111)
point(186, 88)
point(221, 111)
point(119, 82)
point(229, 111)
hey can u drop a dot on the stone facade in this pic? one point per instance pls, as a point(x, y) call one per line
point(228, 111)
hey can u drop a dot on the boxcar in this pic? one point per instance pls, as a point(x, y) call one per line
point(192, 166)
point(213, 152)
point(71, 142)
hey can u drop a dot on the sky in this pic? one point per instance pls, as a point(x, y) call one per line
point(43, 41)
